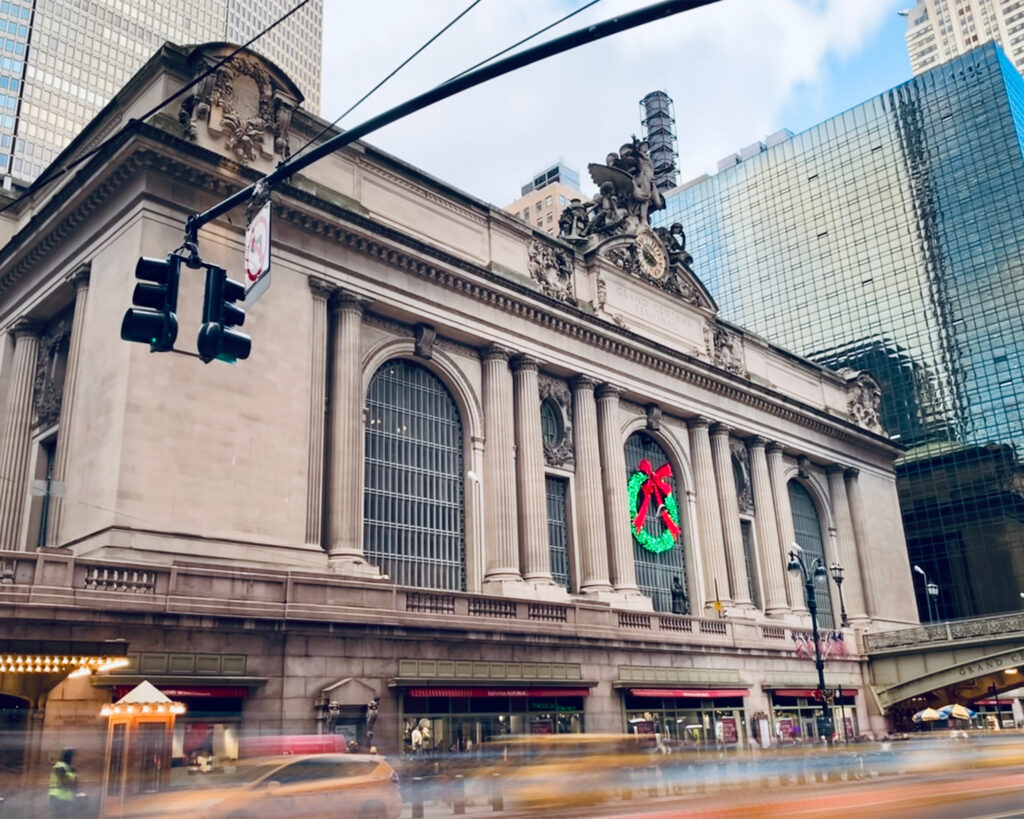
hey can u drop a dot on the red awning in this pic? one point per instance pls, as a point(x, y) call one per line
point(809, 692)
point(693, 693)
point(498, 692)
point(193, 691)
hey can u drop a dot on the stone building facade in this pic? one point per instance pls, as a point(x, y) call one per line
point(462, 470)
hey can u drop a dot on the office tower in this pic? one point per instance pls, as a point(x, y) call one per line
point(658, 118)
point(939, 30)
point(543, 198)
point(59, 66)
point(889, 238)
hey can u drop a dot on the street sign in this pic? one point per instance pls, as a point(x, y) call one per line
point(257, 256)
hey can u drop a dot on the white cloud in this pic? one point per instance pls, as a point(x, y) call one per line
point(730, 68)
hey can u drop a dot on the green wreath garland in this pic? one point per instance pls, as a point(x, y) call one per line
point(666, 540)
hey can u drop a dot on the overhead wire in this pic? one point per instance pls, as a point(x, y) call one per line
point(402, 65)
point(38, 183)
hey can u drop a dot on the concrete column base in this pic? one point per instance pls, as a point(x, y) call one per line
point(549, 592)
point(354, 566)
point(510, 586)
point(632, 600)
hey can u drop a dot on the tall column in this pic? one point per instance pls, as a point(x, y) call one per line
point(860, 531)
point(320, 292)
point(709, 518)
point(846, 541)
point(593, 552)
point(773, 570)
point(345, 512)
point(15, 432)
point(729, 506)
point(501, 543)
point(534, 550)
point(80, 281)
point(784, 523)
point(613, 485)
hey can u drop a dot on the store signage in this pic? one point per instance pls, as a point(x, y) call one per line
point(729, 732)
point(690, 693)
point(498, 692)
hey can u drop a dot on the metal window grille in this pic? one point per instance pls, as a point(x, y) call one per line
point(747, 529)
point(654, 572)
point(558, 535)
point(807, 527)
point(414, 527)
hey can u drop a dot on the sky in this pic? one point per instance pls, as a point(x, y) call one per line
point(737, 71)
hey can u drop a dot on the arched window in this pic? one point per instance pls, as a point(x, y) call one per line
point(655, 569)
point(807, 527)
point(414, 527)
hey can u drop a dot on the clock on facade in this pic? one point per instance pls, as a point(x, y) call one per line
point(651, 256)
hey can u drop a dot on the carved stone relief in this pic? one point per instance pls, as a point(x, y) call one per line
point(724, 348)
point(51, 365)
point(425, 336)
point(677, 278)
point(741, 473)
point(240, 104)
point(558, 396)
point(552, 269)
point(865, 402)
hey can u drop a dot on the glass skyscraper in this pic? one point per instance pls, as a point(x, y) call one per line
point(890, 238)
point(61, 61)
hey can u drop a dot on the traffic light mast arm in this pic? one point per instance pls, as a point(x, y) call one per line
point(567, 42)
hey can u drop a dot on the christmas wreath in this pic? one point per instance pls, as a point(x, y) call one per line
point(644, 484)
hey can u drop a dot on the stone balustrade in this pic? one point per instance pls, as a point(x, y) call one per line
point(978, 628)
point(93, 588)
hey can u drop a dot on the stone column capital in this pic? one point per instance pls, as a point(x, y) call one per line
point(344, 302)
point(80, 277)
point(697, 422)
point(495, 351)
point(583, 382)
point(835, 469)
point(525, 362)
point(608, 391)
point(720, 429)
point(774, 447)
point(26, 326)
point(321, 288)
point(757, 442)
point(851, 472)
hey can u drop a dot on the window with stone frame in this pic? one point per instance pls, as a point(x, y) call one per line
point(807, 528)
point(414, 520)
point(655, 571)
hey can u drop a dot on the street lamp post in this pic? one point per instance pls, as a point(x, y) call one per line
point(836, 571)
point(933, 595)
point(928, 592)
point(797, 565)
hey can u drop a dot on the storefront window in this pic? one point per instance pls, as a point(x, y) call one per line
point(687, 723)
point(457, 725)
point(795, 719)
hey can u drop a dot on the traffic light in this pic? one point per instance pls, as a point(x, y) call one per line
point(156, 323)
point(220, 314)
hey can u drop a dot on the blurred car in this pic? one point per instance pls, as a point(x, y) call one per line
point(347, 786)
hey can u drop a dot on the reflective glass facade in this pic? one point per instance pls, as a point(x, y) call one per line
point(889, 238)
point(61, 61)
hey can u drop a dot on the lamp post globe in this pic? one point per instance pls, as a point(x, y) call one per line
point(797, 565)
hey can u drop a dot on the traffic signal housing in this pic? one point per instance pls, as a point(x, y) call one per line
point(217, 339)
point(153, 318)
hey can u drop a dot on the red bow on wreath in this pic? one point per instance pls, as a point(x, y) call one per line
point(656, 484)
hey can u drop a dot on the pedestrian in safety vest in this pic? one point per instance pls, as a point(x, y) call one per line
point(63, 784)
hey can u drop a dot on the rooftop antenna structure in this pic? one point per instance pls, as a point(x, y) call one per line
point(658, 118)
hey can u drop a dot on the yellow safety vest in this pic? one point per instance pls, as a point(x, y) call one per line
point(59, 790)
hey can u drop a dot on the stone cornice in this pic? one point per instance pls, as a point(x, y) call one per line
point(397, 249)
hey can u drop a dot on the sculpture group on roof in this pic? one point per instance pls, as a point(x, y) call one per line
point(627, 195)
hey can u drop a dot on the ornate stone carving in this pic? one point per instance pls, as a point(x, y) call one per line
point(724, 348)
point(741, 474)
point(51, 365)
point(653, 412)
point(865, 402)
point(803, 467)
point(242, 104)
point(425, 336)
point(557, 393)
point(552, 269)
point(675, 278)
